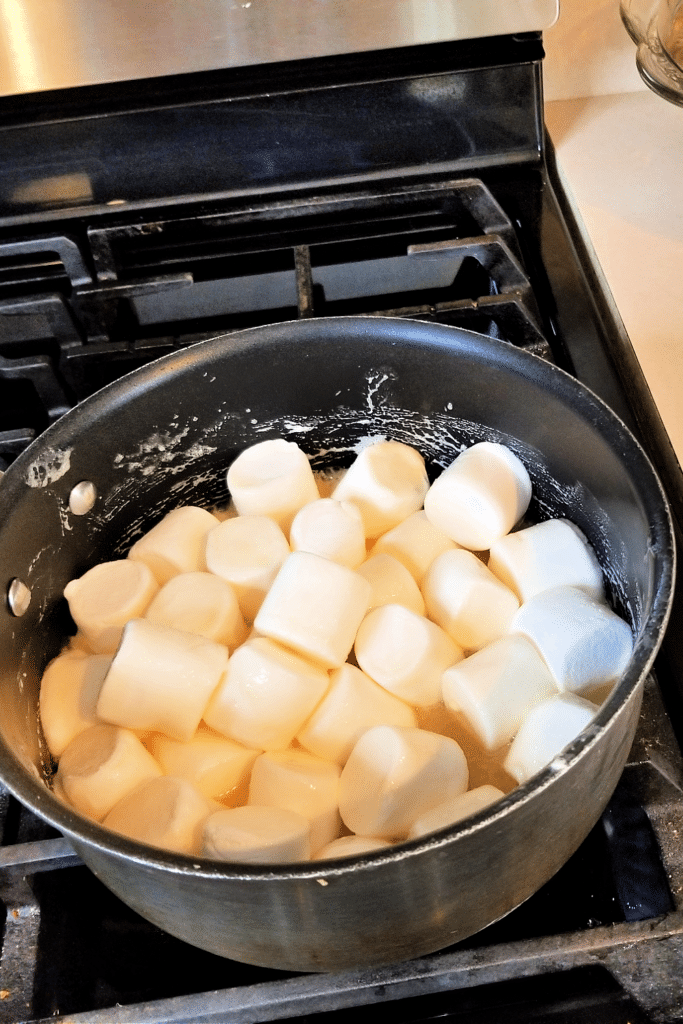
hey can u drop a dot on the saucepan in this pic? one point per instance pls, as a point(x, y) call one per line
point(163, 436)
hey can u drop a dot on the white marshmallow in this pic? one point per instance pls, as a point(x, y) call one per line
point(165, 812)
point(100, 766)
point(353, 703)
point(387, 481)
point(257, 835)
point(298, 781)
point(315, 607)
point(266, 695)
point(272, 478)
point(464, 597)
point(351, 846)
point(480, 496)
point(202, 603)
point(248, 552)
point(391, 583)
point(217, 766)
point(584, 642)
point(547, 729)
point(394, 776)
point(176, 544)
point(457, 809)
point(416, 542)
point(550, 554)
point(496, 687)
point(405, 653)
point(69, 691)
point(103, 600)
point(161, 679)
point(332, 529)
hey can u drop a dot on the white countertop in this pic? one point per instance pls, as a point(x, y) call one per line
point(621, 154)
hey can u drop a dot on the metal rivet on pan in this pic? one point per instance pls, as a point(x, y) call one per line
point(18, 597)
point(82, 497)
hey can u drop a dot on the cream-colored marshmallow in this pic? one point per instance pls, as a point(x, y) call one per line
point(315, 607)
point(546, 731)
point(176, 544)
point(272, 478)
point(257, 835)
point(480, 496)
point(103, 600)
point(387, 481)
point(391, 583)
point(333, 529)
point(166, 812)
point(202, 603)
point(217, 766)
point(69, 691)
point(161, 679)
point(351, 846)
point(394, 776)
point(497, 686)
point(353, 703)
point(301, 782)
point(416, 542)
point(464, 597)
point(266, 695)
point(584, 643)
point(457, 809)
point(248, 552)
point(100, 766)
point(550, 554)
point(405, 653)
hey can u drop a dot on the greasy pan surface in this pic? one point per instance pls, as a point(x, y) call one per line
point(164, 436)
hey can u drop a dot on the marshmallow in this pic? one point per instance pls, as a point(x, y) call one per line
point(257, 835)
point(161, 679)
point(457, 809)
point(464, 597)
point(387, 481)
point(391, 583)
point(266, 695)
point(202, 603)
point(100, 766)
point(496, 687)
point(217, 766)
point(416, 542)
point(176, 544)
point(298, 781)
point(547, 729)
point(248, 552)
point(274, 479)
point(584, 643)
point(165, 812)
point(393, 776)
point(103, 600)
point(69, 691)
point(550, 554)
point(332, 529)
point(405, 653)
point(315, 607)
point(353, 703)
point(351, 846)
point(480, 496)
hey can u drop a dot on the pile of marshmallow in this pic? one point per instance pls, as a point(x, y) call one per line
point(250, 686)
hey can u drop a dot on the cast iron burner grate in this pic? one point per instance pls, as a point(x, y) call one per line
point(443, 252)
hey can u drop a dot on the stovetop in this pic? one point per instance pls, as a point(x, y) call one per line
point(430, 196)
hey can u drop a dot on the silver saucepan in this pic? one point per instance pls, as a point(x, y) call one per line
point(163, 436)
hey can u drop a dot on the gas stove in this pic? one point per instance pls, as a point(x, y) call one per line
point(401, 174)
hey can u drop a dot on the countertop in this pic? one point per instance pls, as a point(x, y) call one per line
point(622, 159)
point(621, 155)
